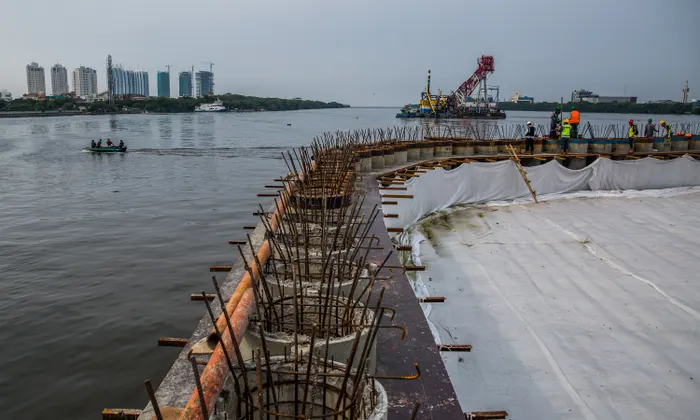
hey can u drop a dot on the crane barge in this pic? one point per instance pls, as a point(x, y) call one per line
point(459, 103)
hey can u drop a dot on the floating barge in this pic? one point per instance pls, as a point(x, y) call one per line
point(321, 317)
point(460, 104)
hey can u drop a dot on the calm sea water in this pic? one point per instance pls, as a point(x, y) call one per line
point(99, 253)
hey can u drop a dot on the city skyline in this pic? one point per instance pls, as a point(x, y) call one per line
point(56, 73)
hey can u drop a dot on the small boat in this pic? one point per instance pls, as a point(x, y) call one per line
point(111, 149)
point(217, 106)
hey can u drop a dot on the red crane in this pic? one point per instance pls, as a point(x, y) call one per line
point(485, 67)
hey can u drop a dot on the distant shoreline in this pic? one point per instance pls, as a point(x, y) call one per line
point(30, 114)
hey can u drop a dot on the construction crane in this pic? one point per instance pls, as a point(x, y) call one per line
point(485, 66)
point(167, 66)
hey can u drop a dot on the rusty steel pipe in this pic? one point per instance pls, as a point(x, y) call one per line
point(240, 308)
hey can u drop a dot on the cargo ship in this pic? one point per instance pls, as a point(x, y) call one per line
point(460, 103)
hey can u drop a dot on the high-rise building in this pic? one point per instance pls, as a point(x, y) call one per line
point(163, 79)
point(130, 82)
point(59, 79)
point(36, 80)
point(205, 83)
point(185, 84)
point(84, 81)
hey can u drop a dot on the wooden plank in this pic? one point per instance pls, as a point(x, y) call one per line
point(172, 342)
point(198, 297)
point(404, 248)
point(394, 230)
point(390, 203)
point(433, 299)
point(237, 242)
point(120, 413)
point(220, 268)
point(454, 347)
point(394, 188)
point(391, 216)
point(396, 196)
point(486, 415)
point(268, 195)
point(414, 267)
point(278, 187)
point(249, 227)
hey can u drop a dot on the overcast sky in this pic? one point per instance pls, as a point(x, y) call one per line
point(367, 52)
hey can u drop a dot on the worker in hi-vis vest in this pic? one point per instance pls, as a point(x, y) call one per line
point(631, 134)
point(574, 120)
point(565, 136)
point(669, 131)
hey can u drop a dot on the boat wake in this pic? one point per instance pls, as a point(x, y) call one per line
point(266, 152)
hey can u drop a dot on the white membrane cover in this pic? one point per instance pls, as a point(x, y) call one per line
point(479, 182)
point(580, 308)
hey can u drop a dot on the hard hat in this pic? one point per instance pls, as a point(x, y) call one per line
point(566, 120)
point(649, 120)
point(529, 123)
point(558, 108)
point(662, 122)
point(631, 121)
point(573, 108)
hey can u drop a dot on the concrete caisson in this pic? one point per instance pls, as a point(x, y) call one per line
point(400, 154)
point(679, 144)
point(427, 150)
point(389, 156)
point(578, 146)
point(279, 331)
point(324, 396)
point(365, 160)
point(377, 159)
point(643, 144)
point(413, 152)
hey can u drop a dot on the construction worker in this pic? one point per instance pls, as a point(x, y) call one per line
point(631, 134)
point(667, 135)
point(574, 120)
point(565, 136)
point(530, 138)
point(649, 129)
point(555, 120)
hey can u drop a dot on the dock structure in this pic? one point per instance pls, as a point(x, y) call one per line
point(317, 317)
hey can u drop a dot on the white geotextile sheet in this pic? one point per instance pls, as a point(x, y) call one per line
point(580, 308)
point(480, 182)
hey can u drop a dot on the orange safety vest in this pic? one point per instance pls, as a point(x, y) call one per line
point(575, 117)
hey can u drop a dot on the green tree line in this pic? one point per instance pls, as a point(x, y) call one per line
point(612, 107)
point(231, 101)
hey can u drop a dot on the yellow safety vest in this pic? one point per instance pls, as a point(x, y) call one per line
point(566, 130)
point(669, 132)
point(630, 132)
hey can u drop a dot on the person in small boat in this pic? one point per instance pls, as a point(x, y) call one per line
point(121, 144)
point(93, 144)
point(99, 143)
point(109, 143)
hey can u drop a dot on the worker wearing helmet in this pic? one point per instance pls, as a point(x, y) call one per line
point(649, 129)
point(530, 138)
point(574, 120)
point(555, 120)
point(667, 135)
point(632, 132)
point(565, 136)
